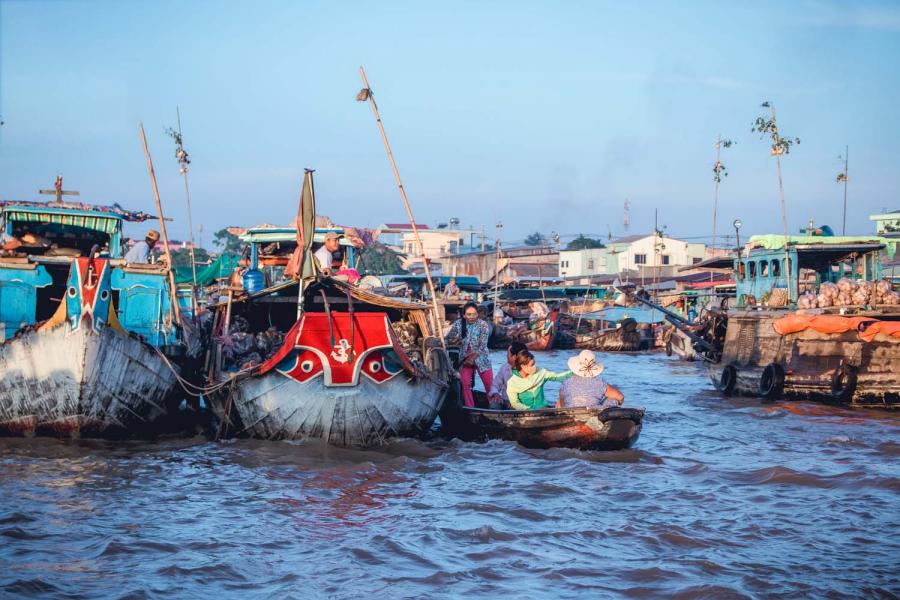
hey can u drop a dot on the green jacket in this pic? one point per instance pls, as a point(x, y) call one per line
point(527, 393)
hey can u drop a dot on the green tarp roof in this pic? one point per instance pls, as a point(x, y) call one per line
point(220, 268)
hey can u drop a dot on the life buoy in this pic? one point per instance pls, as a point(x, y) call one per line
point(771, 382)
point(843, 383)
point(727, 380)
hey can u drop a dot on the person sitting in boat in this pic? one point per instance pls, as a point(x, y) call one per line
point(329, 257)
point(526, 387)
point(140, 252)
point(497, 396)
point(451, 290)
point(472, 334)
point(587, 388)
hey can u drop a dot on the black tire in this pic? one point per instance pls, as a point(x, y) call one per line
point(669, 348)
point(771, 382)
point(843, 383)
point(727, 380)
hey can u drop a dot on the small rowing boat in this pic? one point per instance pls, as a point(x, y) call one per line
point(582, 428)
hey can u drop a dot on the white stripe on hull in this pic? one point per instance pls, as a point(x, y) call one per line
point(273, 406)
point(76, 384)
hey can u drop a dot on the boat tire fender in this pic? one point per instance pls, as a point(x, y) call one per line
point(843, 383)
point(771, 382)
point(727, 380)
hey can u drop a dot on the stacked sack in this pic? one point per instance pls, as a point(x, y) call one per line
point(848, 292)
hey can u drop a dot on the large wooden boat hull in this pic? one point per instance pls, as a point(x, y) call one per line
point(587, 428)
point(82, 383)
point(341, 378)
point(838, 368)
point(275, 407)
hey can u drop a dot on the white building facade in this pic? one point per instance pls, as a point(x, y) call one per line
point(634, 254)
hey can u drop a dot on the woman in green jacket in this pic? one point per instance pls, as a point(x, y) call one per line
point(526, 386)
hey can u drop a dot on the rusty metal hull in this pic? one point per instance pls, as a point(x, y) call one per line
point(812, 363)
point(275, 407)
point(587, 428)
point(82, 384)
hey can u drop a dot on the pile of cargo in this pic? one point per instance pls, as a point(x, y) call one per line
point(848, 292)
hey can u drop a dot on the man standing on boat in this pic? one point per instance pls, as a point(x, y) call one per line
point(140, 252)
point(325, 256)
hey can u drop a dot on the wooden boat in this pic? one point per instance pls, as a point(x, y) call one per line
point(625, 338)
point(90, 345)
point(519, 324)
point(583, 428)
point(351, 367)
point(537, 337)
point(677, 343)
point(341, 375)
point(832, 354)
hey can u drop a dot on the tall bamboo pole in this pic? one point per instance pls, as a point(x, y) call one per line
point(162, 227)
point(788, 267)
point(187, 197)
point(716, 201)
point(846, 178)
point(497, 272)
point(387, 146)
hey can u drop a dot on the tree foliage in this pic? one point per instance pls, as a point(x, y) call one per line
point(535, 239)
point(182, 257)
point(378, 259)
point(781, 144)
point(584, 243)
point(227, 242)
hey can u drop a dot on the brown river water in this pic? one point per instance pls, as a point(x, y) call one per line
point(720, 498)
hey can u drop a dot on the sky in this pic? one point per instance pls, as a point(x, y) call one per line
point(541, 115)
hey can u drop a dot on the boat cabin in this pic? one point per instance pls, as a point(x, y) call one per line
point(762, 269)
point(270, 248)
point(43, 239)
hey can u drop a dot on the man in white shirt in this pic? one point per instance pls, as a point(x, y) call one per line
point(140, 252)
point(325, 254)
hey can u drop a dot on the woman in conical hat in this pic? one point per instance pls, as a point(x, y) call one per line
point(587, 388)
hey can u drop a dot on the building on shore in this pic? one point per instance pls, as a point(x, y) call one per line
point(517, 264)
point(636, 256)
point(445, 239)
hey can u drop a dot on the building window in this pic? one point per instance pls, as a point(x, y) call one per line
point(695, 260)
point(776, 268)
point(752, 265)
point(640, 259)
point(665, 259)
point(763, 268)
point(591, 263)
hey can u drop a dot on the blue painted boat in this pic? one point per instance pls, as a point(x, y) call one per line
point(90, 346)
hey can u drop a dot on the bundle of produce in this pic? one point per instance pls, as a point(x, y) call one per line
point(883, 294)
point(778, 298)
point(807, 300)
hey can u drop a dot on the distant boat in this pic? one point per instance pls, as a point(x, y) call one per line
point(91, 346)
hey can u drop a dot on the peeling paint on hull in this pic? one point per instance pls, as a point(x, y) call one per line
point(275, 407)
point(79, 384)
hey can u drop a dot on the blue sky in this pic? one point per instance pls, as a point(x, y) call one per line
point(542, 115)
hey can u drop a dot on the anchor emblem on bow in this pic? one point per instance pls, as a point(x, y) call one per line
point(340, 353)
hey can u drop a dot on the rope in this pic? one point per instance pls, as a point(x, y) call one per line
point(192, 389)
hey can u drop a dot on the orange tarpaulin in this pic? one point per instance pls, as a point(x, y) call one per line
point(822, 323)
point(891, 328)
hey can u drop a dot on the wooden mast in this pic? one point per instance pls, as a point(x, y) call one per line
point(366, 94)
point(162, 227)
